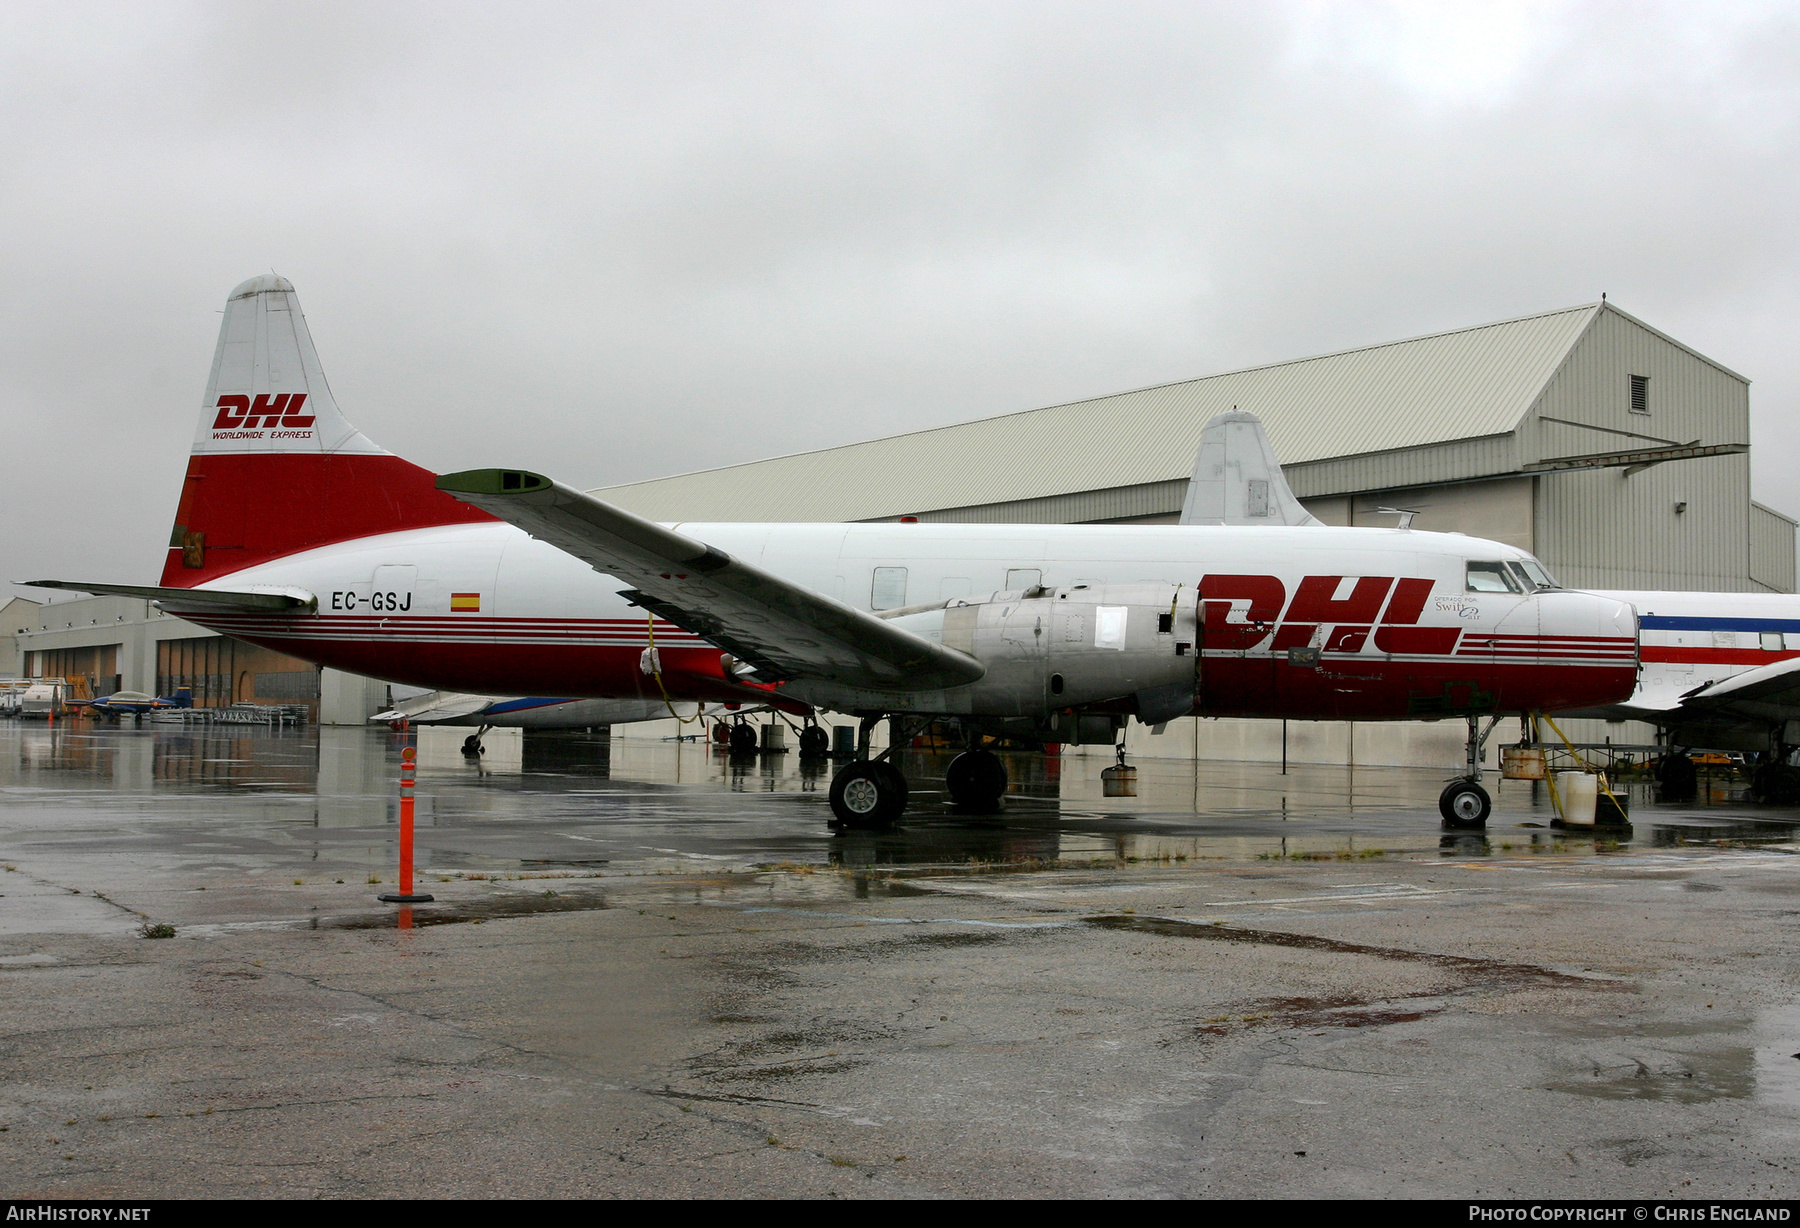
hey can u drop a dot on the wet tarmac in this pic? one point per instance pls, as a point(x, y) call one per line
point(652, 969)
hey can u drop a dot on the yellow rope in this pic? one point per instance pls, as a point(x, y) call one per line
point(1549, 776)
point(656, 672)
point(1581, 759)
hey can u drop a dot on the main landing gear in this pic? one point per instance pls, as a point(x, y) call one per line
point(815, 743)
point(472, 747)
point(871, 792)
point(976, 780)
point(868, 792)
point(1464, 803)
point(1676, 774)
point(743, 737)
point(1776, 782)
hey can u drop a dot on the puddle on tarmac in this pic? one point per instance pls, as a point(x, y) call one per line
point(1687, 1078)
point(1734, 832)
point(188, 801)
point(1778, 1057)
point(458, 912)
point(1486, 970)
point(1758, 1058)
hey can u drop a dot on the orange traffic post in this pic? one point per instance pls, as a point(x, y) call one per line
point(405, 894)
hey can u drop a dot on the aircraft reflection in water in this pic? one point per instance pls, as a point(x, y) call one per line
point(284, 760)
point(274, 800)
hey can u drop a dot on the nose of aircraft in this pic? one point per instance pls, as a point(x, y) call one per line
point(1599, 635)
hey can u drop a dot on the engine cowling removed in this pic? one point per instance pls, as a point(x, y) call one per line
point(1049, 651)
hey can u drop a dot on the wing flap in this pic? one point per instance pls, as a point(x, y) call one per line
point(784, 629)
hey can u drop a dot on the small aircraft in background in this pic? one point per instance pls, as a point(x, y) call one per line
point(134, 703)
point(526, 712)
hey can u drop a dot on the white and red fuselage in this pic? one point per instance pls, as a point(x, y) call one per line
point(485, 608)
point(412, 585)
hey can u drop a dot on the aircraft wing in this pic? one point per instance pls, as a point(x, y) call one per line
point(262, 597)
point(784, 630)
point(1767, 693)
point(434, 706)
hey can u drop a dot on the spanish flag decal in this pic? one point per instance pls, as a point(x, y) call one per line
point(465, 603)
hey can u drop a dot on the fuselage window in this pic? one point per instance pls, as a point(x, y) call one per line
point(888, 592)
point(1024, 577)
point(1492, 578)
point(1771, 641)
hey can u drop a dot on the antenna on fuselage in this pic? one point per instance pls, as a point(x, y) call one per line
point(1406, 515)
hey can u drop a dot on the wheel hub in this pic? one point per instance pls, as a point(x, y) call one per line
point(862, 796)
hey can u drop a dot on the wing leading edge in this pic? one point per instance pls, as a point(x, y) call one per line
point(783, 629)
point(259, 598)
point(1768, 693)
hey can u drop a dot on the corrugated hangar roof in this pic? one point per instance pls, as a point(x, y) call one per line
point(1441, 388)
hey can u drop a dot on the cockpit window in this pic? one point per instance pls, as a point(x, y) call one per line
point(1492, 578)
point(1535, 570)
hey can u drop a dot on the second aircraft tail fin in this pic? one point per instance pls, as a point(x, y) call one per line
point(1237, 479)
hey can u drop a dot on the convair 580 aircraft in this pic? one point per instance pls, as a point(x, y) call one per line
point(296, 532)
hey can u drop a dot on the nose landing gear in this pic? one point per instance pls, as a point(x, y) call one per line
point(1464, 803)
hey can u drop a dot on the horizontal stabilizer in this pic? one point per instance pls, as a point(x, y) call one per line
point(787, 631)
point(269, 598)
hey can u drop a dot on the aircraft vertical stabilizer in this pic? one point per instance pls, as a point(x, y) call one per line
point(275, 467)
point(1237, 479)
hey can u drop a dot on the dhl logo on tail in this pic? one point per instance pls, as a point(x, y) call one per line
point(237, 412)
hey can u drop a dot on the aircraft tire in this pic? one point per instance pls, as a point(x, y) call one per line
point(1678, 777)
point(743, 739)
point(1465, 804)
point(1781, 786)
point(976, 780)
point(868, 793)
point(814, 742)
point(472, 746)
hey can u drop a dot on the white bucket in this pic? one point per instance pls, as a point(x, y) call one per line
point(1578, 791)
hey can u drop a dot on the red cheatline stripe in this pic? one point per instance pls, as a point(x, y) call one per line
point(1713, 656)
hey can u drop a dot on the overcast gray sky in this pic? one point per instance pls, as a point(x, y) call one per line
point(612, 241)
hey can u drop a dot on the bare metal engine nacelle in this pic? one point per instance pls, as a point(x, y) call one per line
point(1047, 650)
